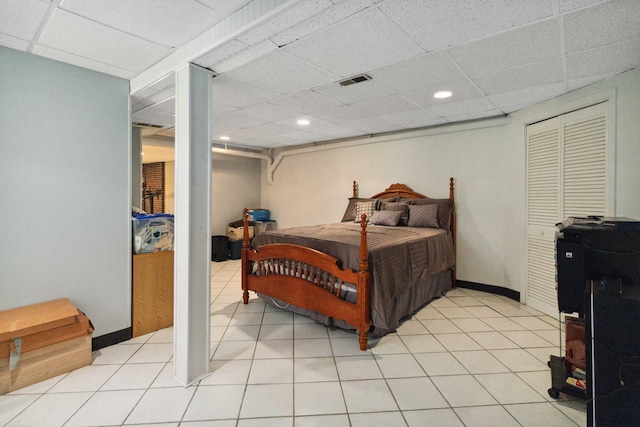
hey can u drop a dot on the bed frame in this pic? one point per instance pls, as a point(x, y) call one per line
point(312, 280)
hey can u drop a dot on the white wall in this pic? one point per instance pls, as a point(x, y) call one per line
point(64, 181)
point(488, 165)
point(314, 188)
point(235, 184)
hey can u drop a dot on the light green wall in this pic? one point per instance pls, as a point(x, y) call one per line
point(64, 181)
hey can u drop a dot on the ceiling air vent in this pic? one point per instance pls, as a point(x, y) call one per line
point(146, 125)
point(356, 79)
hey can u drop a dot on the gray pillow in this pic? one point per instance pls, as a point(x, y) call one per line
point(385, 218)
point(397, 206)
point(444, 209)
point(423, 216)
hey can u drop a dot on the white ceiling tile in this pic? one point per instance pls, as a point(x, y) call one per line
point(567, 5)
point(541, 73)
point(340, 115)
point(411, 117)
point(161, 114)
point(514, 48)
point(573, 84)
point(360, 43)
point(336, 131)
point(164, 21)
point(613, 58)
point(238, 135)
point(475, 115)
point(300, 135)
point(235, 120)
point(340, 10)
point(423, 71)
point(387, 105)
point(226, 7)
point(371, 125)
point(220, 53)
point(468, 106)
point(80, 61)
point(22, 18)
point(425, 123)
point(82, 37)
point(270, 112)
point(231, 92)
point(602, 25)
point(14, 42)
point(528, 96)
point(291, 16)
point(460, 89)
point(350, 94)
point(272, 128)
point(458, 21)
point(306, 102)
point(243, 57)
point(219, 109)
point(281, 72)
point(314, 122)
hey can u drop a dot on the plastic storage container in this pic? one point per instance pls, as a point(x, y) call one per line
point(259, 215)
point(152, 233)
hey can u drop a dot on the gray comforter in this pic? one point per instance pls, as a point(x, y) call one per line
point(399, 257)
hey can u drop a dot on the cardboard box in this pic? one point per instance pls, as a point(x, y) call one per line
point(53, 338)
point(237, 233)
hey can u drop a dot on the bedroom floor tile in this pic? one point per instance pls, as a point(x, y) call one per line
point(467, 359)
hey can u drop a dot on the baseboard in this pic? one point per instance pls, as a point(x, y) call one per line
point(110, 339)
point(497, 290)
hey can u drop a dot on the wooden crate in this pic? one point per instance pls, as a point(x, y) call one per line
point(56, 338)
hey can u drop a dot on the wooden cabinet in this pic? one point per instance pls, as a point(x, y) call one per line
point(152, 301)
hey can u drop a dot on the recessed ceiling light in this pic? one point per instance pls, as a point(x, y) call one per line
point(224, 138)
point(442, 94)
point(303, 122)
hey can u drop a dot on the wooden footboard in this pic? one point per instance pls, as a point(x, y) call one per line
point(309, 279)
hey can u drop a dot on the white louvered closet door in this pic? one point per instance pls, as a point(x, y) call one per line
point(568, 175)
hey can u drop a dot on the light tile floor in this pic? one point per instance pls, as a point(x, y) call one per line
point(467, 359)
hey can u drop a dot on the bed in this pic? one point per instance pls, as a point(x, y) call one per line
point(391, 254)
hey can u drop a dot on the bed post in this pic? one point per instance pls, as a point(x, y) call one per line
point(355, 189)
point(452, 227)
point(245, 262)
point(364, 283)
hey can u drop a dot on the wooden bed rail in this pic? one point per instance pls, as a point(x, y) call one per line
point(309, 279)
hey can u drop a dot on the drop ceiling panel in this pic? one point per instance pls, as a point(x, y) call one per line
point(306, 102)
point(568, 5)
point(371, 125)
point(168, 23)
point(336, 131)
point(235, 93)
point(81, 61)
point(460, 89)
point(411, 117)
point(268, 129)
point(82, 37)
point(527, 96)
point(319, 21)
point(453, 22)
point(286, 19)
point(468, 106)
point(235, 120)
point(363, 42)
point(541, 73)
point(422, 71)
point(359, 92)
point(226, 7)
point(14, 42)
point(387, 105)
point(220, 53)
point(602, 25)
point(270, 112)
point(341, 114)
point(22, 18)
point(243, 57)
point(613, 58)
point(522, 46)
point(281, 72)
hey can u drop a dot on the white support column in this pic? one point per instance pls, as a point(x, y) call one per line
point(192, 275)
